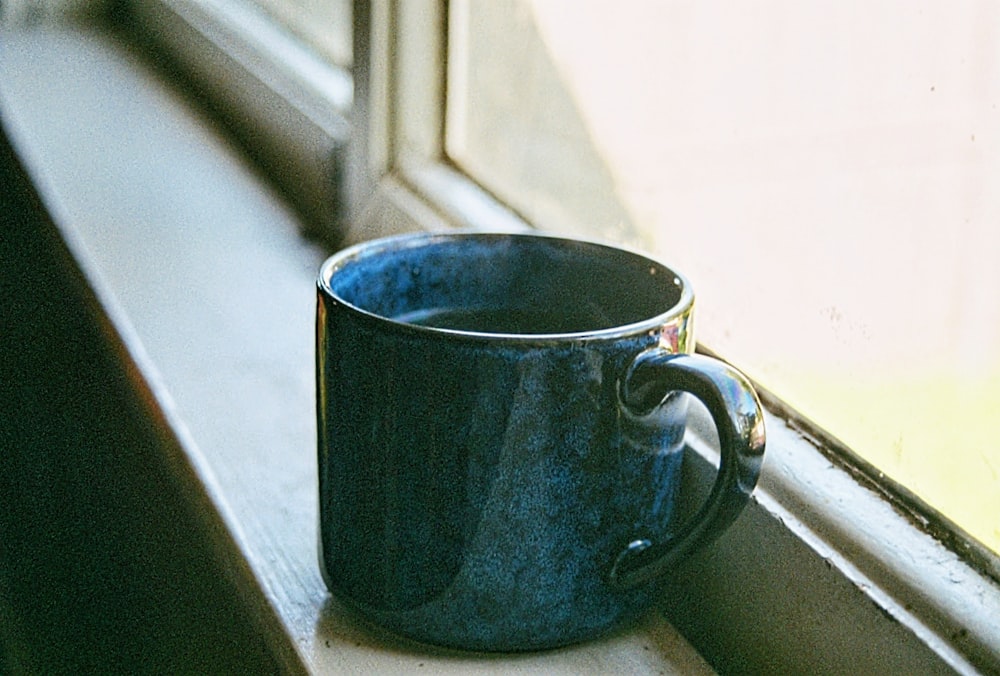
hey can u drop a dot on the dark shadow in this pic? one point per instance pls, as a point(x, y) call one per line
point(105, 565)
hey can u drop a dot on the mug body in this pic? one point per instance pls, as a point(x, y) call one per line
point(478, 473)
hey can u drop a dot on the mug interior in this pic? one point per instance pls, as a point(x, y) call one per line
point(504, 284)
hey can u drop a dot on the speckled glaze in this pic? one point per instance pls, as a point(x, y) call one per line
point(512, 491)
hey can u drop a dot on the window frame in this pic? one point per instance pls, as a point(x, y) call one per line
point(381, 155)
point(398, 161)
point(286, 106)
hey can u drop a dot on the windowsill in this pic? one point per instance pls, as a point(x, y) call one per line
point(203, 272)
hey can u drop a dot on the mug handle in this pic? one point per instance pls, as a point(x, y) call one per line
point(737, 413)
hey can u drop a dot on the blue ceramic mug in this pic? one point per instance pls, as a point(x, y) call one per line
point(500, 431)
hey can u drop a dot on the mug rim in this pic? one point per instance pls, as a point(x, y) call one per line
point(344, 257)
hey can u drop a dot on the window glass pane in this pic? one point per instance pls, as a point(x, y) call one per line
point(323, 24)
point(828, 174)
